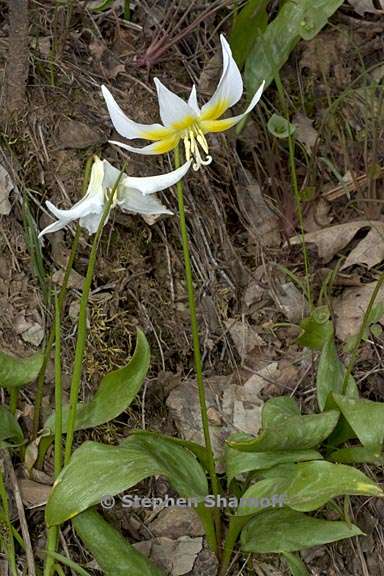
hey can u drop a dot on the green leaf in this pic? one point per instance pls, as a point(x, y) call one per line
point(9, 429)
point(330, 376)
point(115, 393)
point(308, 485)
point(67, 562)
point(280, 127)
point(96, 470)
point(114, 555)
point(284, 429)
point(366, 418)
point(251, 21)
point(242, 462)
point(358, 455)
point(295, 20)
point(295, 564)
point(16, 372)
point(316, 329)
point(290, 531)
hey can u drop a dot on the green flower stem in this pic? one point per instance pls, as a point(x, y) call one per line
point(295, 188)
point(58, 392)
point(196, 343)
point(51, 337)
point(363, 328)
point(10, 544)
point(61, 298)
point(82, 329)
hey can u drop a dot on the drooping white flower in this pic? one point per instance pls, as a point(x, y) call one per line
point(132, 195)
point(186, 121)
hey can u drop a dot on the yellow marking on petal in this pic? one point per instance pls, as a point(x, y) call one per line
point(156, 133)
point(216, 110)
point(163, 146)
point(217, 125)
point(183, 124)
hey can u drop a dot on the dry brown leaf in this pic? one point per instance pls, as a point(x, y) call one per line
point(244, 337)
point(305, 132)
point(350, 308)
point(363, 6)
point(329, 241)
point(33, 493)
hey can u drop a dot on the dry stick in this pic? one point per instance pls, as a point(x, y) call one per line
point(20, 509)
point(18, 57)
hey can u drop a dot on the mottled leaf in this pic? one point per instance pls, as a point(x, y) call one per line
point(316, 329)
point(280, 127)
point(113, 553)
point(96, 470)
point(250, 22)
point(16, 372)
point(366, 418)
point(290, 531)
point(358, 455)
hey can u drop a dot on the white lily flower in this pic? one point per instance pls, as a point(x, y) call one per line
point(186, 121)
point(132, 195)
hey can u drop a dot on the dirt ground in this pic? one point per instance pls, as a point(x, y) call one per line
point(241, 216)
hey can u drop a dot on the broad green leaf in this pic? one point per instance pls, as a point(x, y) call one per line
point(113, 553)
point(295, 564)
point(242, 462)
point(366, 418)
point(296, 19)
point(307, 486)
point(330, 376)
point(358, 455)
point(115, 393)
point(199, 451)
point(284, 429)
point(251, 21)
point(96, 470)
point(280, 127)
point(316, 329)
point(16, 372)
point(290, 531)
point(10, 432)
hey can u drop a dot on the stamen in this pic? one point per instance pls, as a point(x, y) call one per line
point(194, 137)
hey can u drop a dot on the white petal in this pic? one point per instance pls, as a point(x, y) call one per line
point(174, 112)
point(128, 128)
point(91, 221)
point(226, 123)
point(192, 100)
point(151, 184)
point(134, 201)
point(91, 205)
point(160, 147)
point(230, 87)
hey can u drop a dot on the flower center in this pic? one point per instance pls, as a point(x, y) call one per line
point(193, 138)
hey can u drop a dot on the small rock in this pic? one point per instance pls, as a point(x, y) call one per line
point(33, 335)
point(75, 279)
point(176, 522)
point(176, 557)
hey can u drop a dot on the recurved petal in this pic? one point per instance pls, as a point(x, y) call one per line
point(54, 227)
point(137, 203)
point(160, 147)
point(127, 127)
point(226, 123)
point(174, 112)
point(151, 184)
point(192, 100)
point(229, 89)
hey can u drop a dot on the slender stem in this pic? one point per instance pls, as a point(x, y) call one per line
point(295, 187)
point(82, 329)
point(58, 391)
point(61, 298)
point(236, 523)
point(196, 341)
point(363, 327)
point(9, 536)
